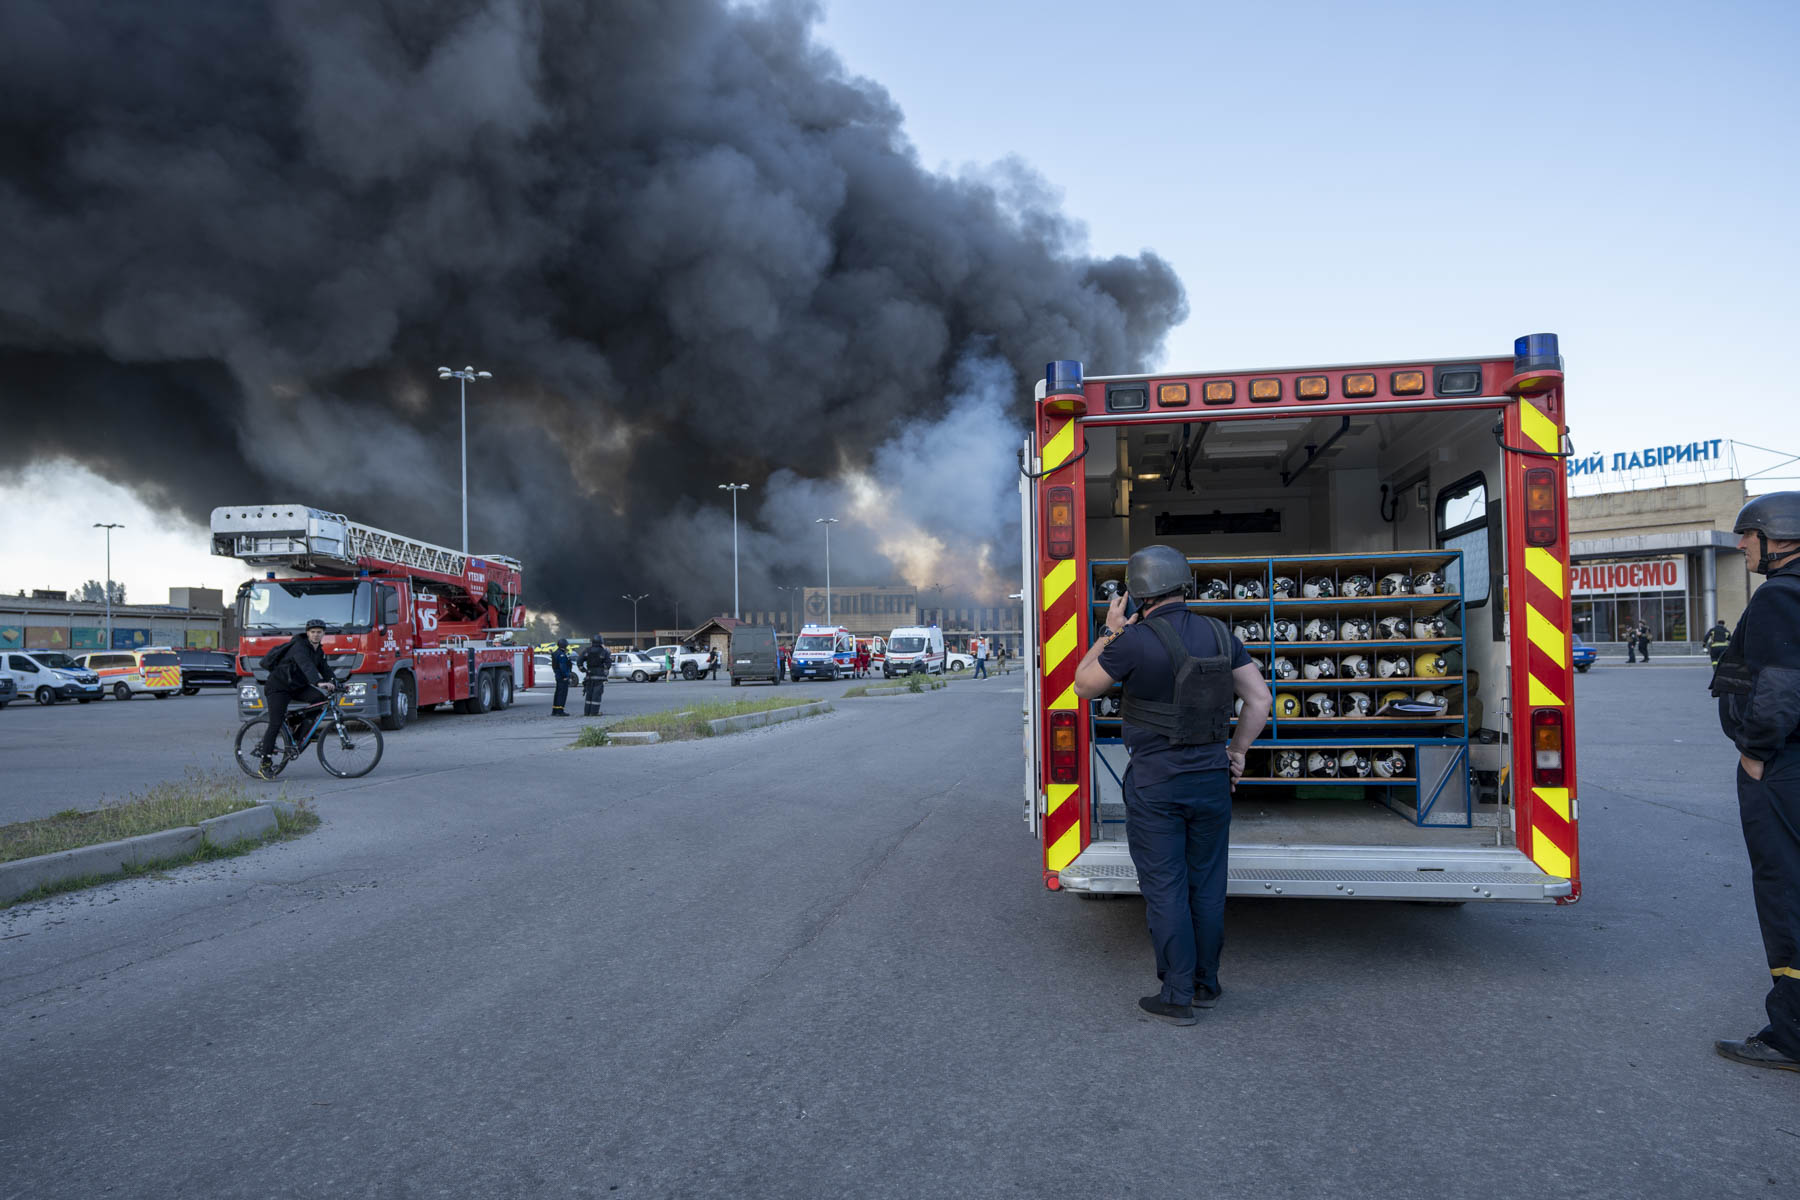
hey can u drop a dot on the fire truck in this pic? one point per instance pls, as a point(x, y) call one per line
point(416, 625)
point(1390, 543)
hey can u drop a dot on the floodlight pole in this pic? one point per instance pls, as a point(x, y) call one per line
point(827, 522)
point(634, 625)
point(734, 489)
point(464, 375)
point(109, 527)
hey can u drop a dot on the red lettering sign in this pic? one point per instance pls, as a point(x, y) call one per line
point(1614, 578)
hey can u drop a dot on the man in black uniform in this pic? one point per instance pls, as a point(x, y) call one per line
point(1758, 686)
point(1180, 671)
point(297, 671)
point(1716, 639)
point(596, 660)
point(563, 665)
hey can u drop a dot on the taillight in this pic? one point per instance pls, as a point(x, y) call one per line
point(1062, 748)
point(1540, 507)
point(1547, 747)
point(1059, 521)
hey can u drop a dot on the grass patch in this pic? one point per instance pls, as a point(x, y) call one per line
point(169, 805)
point(923, 683)
point(859, 690)
point(684, 724)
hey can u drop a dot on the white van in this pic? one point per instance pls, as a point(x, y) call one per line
point(50, 675)
point(914, 648)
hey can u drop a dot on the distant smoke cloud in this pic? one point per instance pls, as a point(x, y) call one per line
point(237, 238)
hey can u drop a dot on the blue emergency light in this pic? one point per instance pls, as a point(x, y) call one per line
point(1064, 375)
point(1536, 352)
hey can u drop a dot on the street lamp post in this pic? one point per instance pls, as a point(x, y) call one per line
point(634, 603)
point(464, 375)
point(827, 522)
point(794, 594)
point(734, 489)
point(109, 527)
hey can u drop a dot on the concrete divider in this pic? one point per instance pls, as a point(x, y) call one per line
point(110, 858)
point(236, 827)
point(633, 738)
point(771, 716)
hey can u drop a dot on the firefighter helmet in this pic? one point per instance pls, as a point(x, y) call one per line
point(1248, 631)
point(1287, 704)
point(1319, 631)
point(1774, 515)
point(1106, 589)
point(1354, 764)
point(1237, 707)
point(1428, 583)
point(1285, 588)
point(1356, 629)
point(1317, 585)
point(1287, 764)
point(1158, 571)
point(1320, 668)
point(1248, 589)
point(1108, 706)
point(1394, 629)
point(1388, 698)
point(1322, 762)
point(1320, 704)
point(1358, 585)
point(1358, 704)
point(1353, 666)
point(1430, 665)
point(1427, 696)
point(1285, 630)
point(1431, 627)
point(1216, 589)
point(1394, 584)
point(1283, 668)
point(1389, 764)
point(1392, 666)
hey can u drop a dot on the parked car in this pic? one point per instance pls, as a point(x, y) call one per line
point(206, 668)
point(1582, 655)
point(688, 663)
point(753, 655)
point(639, 668)
point(50, 675)
point(9, 691)
point(126, 673)
point(956, 660)
point(544, 675)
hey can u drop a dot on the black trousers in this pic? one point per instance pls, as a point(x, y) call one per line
point(1770, 808)
point(592, 690)
point(1178, 833)
point(562, 694)
point(278, 703)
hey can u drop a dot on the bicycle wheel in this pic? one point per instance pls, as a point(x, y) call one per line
point(351, 748)
point(249, 739)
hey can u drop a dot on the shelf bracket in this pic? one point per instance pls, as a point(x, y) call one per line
point(1313, 452)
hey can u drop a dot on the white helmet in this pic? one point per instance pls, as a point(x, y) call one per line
point(1428, 583)
point(1285, 588)
point(1357, 585)
point(1248, 589)
point(1248, 631)
point(1285, 630)
point(1237, 707)
point(1431, 627)
point(1356, 629)
point(1319, 631)
point(1320, 668)
point(1320, 704)
point(1390, 764)
point(1393, 666)
point(1317, 585)
point(1353, 666)
point(1216, 589)
point(1358, 704)
point(1322, 762)
point(1395, 584)
point(1394, 629)
point(1287, 764)
point(1283, 668)
point(1107, 706)
point(1106, 589)
point(1354, 764)
point(1437, 701)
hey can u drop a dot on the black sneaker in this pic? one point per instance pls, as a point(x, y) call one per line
point(266, 768)
point(1205, 999)
point(1755, 1052)
point(1162, 1010)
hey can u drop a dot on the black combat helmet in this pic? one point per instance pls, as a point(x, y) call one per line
point(1157, 571)
point(1776, 515)
point(562, 643)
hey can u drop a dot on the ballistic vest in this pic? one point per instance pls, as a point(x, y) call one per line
point(1201, 712)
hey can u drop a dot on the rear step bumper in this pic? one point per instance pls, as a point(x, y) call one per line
point(1344, 873)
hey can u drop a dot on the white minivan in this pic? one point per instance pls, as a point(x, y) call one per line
point(50, 675)
point(914, 648)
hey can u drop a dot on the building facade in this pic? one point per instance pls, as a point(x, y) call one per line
point(193, 618)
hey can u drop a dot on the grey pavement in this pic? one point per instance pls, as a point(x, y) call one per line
point(816, 959)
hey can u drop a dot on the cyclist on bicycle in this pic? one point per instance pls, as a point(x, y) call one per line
point(299, 673)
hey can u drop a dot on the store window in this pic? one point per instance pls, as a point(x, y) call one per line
point(1462, 524)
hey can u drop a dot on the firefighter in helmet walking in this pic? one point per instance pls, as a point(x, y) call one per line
point(563, 666)
point(1181, 672)
point(1757, 682)
point(596, 660)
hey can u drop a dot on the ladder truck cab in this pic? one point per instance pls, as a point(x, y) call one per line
point(416, 625)
point(1390, 543)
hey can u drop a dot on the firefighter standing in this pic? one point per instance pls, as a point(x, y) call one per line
point(596, 660)
point(1180, 671)
point(1717, 638)
point(564, 668)
point(1757, 682)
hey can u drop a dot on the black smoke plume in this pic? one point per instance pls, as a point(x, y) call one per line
point(238, 236)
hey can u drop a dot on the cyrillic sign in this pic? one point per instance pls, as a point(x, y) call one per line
point(1614, 578)
point(1650, 458)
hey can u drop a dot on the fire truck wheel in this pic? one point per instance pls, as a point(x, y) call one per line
point(503, 689)
point(483, 699)
point(402, 705)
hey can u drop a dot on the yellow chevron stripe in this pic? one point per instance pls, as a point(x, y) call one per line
point(1536, 426)
point(1546, 567)
point(1545, 635)
point(1556, 798)
point(1060, 579)
point(1790, 972)
point(1544, 853)
point(1060, 446)
point(1066, 848)
point(1056, 793)
point(1060, 646)
point(1066, 700)
point(1542, 697)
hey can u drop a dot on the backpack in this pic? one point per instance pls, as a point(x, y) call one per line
point(276, 657)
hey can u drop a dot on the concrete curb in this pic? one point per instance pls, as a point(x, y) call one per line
point(110, 858)
point(771, 716)
point(634, 739)
point(898, 691)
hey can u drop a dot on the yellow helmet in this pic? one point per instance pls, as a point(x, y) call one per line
point(1388, 698)
point(1430, 665)
point(1287, 704)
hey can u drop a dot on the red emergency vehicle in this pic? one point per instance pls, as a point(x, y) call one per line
point(416, 625)
point(1390, 543)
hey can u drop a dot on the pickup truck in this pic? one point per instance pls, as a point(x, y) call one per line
point(688, 663)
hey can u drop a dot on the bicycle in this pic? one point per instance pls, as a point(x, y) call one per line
point(349, 749)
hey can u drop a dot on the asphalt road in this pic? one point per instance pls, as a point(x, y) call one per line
point(816, 960)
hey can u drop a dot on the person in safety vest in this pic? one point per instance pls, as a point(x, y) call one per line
point(1181, 672)
point(1757, 682)
point(596, 660)
point(563, 665)
point(1716, 639)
